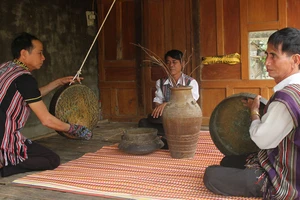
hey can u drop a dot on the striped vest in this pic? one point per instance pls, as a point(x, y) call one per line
point(184, 80)
point(13, 115)
point(283, 162)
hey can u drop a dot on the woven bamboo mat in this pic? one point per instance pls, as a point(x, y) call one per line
point(113, 174)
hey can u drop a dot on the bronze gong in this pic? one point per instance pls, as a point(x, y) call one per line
point(75, 104)
point(229, 125)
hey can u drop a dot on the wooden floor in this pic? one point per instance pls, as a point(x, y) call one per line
point(106, 133)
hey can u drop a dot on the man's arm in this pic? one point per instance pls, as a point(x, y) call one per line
point(195, 89)
point(274, 125)
point(54, 84)
point(48, 120)
point(27, 86)
point(159, 97)
point(158, 100)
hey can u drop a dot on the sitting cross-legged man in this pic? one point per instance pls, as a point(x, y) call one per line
point(175, 63)
point(274, 171)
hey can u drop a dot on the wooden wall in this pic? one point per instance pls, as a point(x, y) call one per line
point(126, 79)
point(202, 28)
point(167, 26)
point(119, 65)
point(229, 22)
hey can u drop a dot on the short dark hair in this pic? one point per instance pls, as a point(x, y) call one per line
point(22, 41)
point(289, 38)
point(176, 54)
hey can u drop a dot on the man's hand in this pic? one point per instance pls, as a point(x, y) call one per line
point(256, 103)
point(80, 132)
point(158, 110)
point(253, 105)
point(69, 79)
point(247, 102)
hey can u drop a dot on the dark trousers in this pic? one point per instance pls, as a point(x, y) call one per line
point(231, 178)
point(151, 122)
point(39, 158)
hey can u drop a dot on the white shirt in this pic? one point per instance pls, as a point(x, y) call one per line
point(276, 123)
point(159, 97)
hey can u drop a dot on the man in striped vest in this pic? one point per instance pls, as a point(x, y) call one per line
point(19, 94)
point(274, 171)
point(175, 64)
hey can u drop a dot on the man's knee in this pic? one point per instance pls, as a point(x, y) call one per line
point(55, 161)
point(209, 176)
point(143, 122)
point(211, 179)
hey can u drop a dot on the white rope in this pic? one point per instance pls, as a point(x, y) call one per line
point(79, 71)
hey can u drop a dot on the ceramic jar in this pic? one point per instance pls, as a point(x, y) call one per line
point(182, 119)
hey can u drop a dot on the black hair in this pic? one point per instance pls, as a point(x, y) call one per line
point(176, 54)
point(23, 41)
point(289, 38)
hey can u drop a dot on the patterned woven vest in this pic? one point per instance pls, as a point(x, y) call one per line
point(15, 117)
point(184, 80)
point(283, 162)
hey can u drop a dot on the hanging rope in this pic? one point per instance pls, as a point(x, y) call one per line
point(79, 71)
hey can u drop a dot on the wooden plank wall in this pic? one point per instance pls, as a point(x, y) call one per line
point(167, 26)
point(234, 20)
point(213, 27)
point(119, 65)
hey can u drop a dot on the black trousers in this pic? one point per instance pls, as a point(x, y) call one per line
point(231, 178)
point(151, 122)
point(39, 158)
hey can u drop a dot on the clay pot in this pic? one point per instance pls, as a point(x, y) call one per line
point(140, 141)
point(182, 119)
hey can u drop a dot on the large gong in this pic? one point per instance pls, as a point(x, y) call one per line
point(229, 125)
point(75, 104)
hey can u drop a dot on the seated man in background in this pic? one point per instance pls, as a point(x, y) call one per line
point(19, 94)
point(274, 171)
point(175, 63)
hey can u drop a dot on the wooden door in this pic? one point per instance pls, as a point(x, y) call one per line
point(167, 25)
point(126, 82)
point(119, 65)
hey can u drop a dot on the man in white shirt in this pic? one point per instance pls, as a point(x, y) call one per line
point(274, 171)
point(175, 63)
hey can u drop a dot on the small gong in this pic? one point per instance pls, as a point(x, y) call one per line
point(229, 125)
point(75, 104)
